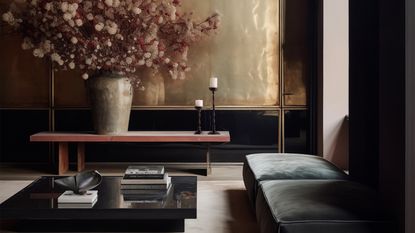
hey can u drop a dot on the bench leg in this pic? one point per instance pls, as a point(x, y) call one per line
point(63, 159)
point(81, 157)
point(208, 164)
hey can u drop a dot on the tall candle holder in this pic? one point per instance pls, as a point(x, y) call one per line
point(213, 89)
point(199, 122)
point(199, 106)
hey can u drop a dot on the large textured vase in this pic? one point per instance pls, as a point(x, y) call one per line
point(110, 98)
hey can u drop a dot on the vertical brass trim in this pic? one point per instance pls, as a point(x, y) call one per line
point(52, 96)
point(51, 111)
point(280, 126)
point(283, 130)
point(282, 52)
point(281, 76)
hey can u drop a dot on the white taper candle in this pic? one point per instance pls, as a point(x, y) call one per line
point(213, 82)
point(199, 103)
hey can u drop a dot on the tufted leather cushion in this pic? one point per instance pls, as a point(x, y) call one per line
point(323, 206)
point(282, 166)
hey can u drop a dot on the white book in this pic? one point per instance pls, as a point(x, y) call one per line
point(77, 205)
point(70, 197)
point(150, 187)
point(144, 170)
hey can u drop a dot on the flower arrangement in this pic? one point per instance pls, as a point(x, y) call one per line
point(109, 35)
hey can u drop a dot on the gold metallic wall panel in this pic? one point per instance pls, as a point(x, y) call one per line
point(297, 51)
point(244, 55)
point(295, 83)
point(70, 89)
point(24, 79)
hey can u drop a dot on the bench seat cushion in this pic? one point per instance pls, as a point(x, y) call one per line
point(323, 206)
point(281, 166)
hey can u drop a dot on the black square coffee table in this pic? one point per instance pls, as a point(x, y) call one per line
point(35, 208)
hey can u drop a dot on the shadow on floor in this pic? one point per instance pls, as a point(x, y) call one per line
point(93, 226)
point(243, 217)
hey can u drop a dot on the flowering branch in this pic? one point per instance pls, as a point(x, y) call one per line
point(109, 35)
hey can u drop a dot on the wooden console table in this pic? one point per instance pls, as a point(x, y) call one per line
point(63, 138)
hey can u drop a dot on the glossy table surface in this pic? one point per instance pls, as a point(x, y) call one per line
point(39, 201)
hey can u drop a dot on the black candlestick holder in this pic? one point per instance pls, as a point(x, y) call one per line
point(213, 89)
point(199, 122)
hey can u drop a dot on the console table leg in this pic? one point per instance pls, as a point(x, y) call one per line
point(81, 156)
point(208, 164)
point(63, 159)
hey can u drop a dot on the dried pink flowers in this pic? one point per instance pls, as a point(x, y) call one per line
point(109, 35)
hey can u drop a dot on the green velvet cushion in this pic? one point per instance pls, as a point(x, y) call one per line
point(274, 166)
point(319, 206)
point(277, 166)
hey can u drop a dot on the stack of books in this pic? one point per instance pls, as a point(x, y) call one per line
point(69, 199)
point(145, 184)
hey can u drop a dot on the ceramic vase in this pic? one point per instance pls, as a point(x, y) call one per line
point(110, 98)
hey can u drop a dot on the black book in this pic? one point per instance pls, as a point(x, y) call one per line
point(147, 203)
point(155, 192)
point(145, 195)
point(144, 172)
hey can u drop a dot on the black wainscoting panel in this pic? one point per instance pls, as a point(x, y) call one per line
point(251, 131)
point(164, 120)
point(144, 152)
point(296, 131)
point(73, 120)
point(16, 126)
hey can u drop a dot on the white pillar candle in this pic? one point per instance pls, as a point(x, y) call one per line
point(199, 103)
point(213, 82)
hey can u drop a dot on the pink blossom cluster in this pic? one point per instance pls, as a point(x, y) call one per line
point(109, 35)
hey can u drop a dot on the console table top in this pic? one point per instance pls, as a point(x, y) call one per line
point(132, 136)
